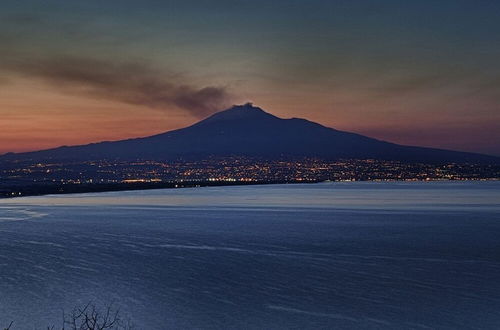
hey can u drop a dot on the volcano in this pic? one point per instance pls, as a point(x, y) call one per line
point(247, 130)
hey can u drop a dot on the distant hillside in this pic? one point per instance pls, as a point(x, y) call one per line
point(250, 131)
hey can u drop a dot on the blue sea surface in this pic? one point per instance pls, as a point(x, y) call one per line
point(315, 256)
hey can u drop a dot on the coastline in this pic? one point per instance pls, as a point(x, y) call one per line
point(66, 189)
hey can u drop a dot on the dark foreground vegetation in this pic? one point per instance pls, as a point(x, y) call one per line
point(89, 317)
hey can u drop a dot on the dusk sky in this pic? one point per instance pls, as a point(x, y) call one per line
point(413, 72)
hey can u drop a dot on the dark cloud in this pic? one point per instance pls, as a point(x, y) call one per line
point(130, 82)
point(23, 19)
point(36, 48)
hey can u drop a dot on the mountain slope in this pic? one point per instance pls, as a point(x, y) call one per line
point(249, 131)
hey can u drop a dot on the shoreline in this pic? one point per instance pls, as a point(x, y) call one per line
point(67, 189)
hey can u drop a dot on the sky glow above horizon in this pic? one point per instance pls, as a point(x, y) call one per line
point(412, 72)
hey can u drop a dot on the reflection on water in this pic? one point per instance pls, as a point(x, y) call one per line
point(333, 255)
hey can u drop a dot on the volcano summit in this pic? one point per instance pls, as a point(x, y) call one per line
point(247, 130)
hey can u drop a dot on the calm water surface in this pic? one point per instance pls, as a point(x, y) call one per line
point(332, 255)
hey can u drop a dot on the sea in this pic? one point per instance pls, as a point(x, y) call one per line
point(337, 255)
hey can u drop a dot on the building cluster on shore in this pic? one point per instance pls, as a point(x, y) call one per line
point(15, 177)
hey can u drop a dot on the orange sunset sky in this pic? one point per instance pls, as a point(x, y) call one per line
point(421, 74)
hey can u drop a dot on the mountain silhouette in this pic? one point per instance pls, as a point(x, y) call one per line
point(246, 130)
